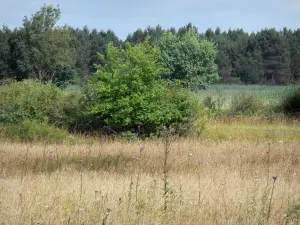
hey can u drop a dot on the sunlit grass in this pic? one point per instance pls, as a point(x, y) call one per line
point(251, 130)
point(209, 182)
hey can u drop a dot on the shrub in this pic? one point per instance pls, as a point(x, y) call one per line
point(291, 103)
point(210, 104)
point(183, 111)
point(126, 95)
point(245, 104)
point(42, 106)
point(35, 101)
point(33, 130)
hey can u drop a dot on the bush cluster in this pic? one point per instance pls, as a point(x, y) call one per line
point(125, 97)
point(31, 111)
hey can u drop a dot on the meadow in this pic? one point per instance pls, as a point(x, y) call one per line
point(239, 170)
point(268, 94)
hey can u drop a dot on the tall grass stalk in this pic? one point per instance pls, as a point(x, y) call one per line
point(199, 184)
point(138, 174)
point(268, 163)
point(167, 147)
point(25, 164)
point(270, 202)
point(130, 193)
point(81, 179)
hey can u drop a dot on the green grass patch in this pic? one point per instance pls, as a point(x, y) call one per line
point(252, 132)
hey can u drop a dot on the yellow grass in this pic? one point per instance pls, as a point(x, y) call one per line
point(209, 182)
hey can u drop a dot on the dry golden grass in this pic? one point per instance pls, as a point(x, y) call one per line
point(224, 182)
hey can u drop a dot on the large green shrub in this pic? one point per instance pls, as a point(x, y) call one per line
point(126, 94)
point(30, 103)
point(35, 101)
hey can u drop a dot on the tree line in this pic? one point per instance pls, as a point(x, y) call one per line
point(45, 51)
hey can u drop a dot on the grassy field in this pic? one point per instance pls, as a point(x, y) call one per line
point(118, 182)
point(240, 170)
point(270, 95)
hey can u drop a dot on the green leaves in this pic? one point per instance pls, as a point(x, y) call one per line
point(126, 86)
point(29, 100)
point(41, 47)
point(126, 93)
point(189, 59)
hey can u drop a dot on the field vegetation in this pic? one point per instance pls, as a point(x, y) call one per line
point(150, 134)
point(186, 181)
point(240, 169)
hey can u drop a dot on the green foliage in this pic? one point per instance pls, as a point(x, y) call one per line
point(210, 104)
point(291, 102)
point(245, 104)
point(98, 41)
point(4, 53)
point(40, 47)
point(65, 77)
point(250, 68)
point(126, 93)
point(189, 59)
point(184, 111)
point(31, 103)
point(32, 100)
point(139, 36)
point(42, 50)
point(34, 130)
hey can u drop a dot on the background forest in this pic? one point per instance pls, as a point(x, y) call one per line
point(266, 57)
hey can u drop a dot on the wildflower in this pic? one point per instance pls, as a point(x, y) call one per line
point(274, 178)
point(81, 162)
point(134, 158)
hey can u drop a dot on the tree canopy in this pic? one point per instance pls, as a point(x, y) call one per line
point(189, 59)
point(43, 50)
point(40, 48)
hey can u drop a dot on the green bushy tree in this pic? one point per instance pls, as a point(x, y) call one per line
point(126, 93)
point(40, 47)
point(189, 59)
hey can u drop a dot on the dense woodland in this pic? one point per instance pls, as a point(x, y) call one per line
point(64, 54)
